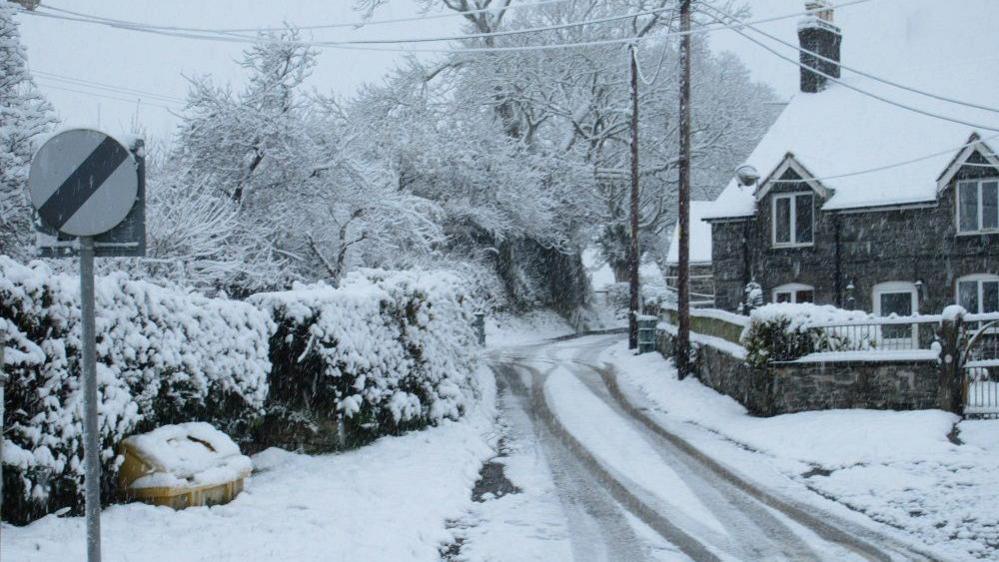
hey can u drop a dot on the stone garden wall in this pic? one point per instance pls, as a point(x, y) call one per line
point(785, 388)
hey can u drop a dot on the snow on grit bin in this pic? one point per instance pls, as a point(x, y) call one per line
point(184, 465)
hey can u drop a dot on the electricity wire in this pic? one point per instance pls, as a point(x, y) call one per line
point(365, 45)
point(351, 25)
point(857, 71)
point(507, 33)
point(899, 164)
point(861, 90)
point(107, 96)
point(80, 82)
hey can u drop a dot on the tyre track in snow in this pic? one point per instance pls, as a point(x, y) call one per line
point(863, 541)
point(598, 529)
point(834, 529)
point(756, 532)
point(737, 502)
point(619, 491)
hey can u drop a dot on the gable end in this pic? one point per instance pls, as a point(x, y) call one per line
point(975, 153)
point(790, 170)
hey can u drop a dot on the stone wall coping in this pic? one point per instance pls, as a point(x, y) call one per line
point(721, 344)
point(872, 356)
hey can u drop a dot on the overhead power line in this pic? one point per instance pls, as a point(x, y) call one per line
point(511, 32)
point(104, 86)
point(855, 88)
point(351, 25)
point(507, 33)
point(133, 101)
point(387, 41)
point(892, 166)
point(659, 67)
point(662, 56)
point(347, 45)
point(366, 44)
point(857, 71)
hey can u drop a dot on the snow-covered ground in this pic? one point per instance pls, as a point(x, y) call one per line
point(898, 468)
point(390, 500)
point(524, 509)
point(507, 330)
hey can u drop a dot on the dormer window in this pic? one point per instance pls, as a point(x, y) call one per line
point(978, 206)
point(793, 220)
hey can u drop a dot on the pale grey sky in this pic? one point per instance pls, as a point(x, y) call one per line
point(152, 63)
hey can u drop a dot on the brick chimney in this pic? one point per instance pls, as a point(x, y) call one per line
point(818, 34)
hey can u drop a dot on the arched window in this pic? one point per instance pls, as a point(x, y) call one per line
point(978, 293)
point(794, 292)
point(897, 298)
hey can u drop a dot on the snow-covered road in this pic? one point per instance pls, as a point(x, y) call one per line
point(627, 488)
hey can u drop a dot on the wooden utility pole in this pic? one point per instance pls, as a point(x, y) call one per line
point(633, 255)
point(683, 270)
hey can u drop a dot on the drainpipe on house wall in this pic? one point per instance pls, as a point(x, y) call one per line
point(838, 283)
point(747, 266)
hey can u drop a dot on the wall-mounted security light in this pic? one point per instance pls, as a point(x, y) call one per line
point(748, 176)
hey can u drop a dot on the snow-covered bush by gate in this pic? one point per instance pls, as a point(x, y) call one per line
point(163, 356)
point(787, 331)
point(383, 353)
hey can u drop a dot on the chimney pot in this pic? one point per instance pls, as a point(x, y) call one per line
point(820, 41)
point(820, 9)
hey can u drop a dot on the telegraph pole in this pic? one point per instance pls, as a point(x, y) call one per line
point(633, 256)
point(683, 271)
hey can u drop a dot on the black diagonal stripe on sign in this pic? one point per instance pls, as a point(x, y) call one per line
point(83, 182)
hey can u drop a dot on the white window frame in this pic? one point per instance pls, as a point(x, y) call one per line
point(793, 289)
point(793, 207)
point(978, 278)
point(892, 287)
point(981, 208)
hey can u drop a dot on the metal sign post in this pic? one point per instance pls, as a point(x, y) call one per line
point(84, 183)
point(91, 440)
point(3, 381)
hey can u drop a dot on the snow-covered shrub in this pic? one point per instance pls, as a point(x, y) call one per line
point(618, 297)
point(383, 353)
point(163, 356)
point(657, 298)
point(786, 331)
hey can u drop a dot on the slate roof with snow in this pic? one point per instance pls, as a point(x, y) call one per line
point(700, 236)
point(945, 48)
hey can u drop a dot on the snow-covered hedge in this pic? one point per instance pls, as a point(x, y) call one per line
point(163, 356)
point(786, 331)
point(383, 353)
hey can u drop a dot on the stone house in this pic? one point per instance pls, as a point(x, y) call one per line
point(853, 201)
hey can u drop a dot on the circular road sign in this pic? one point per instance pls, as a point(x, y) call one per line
point(83, 182)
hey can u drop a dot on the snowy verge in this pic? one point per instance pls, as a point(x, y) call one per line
point(897, 468)
point(387, 501)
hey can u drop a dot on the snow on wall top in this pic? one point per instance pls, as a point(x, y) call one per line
point(700, 236)
point(937, 47)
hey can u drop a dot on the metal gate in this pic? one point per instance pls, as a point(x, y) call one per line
point(981, 370)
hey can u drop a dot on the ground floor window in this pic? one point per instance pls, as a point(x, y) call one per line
point(978, 293)
point(795, 293)
point(897, 298)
